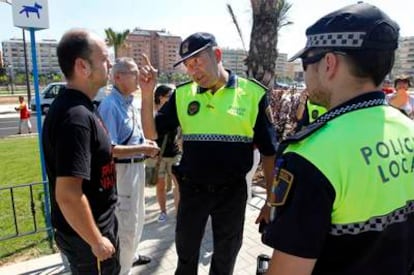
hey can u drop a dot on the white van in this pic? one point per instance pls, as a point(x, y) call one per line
point(51, 91)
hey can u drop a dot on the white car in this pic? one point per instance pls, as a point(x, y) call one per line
point(51, 91)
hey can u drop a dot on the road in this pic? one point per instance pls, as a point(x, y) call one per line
point(9, 125)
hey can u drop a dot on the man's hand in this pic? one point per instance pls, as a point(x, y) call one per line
point(150, 148)
point(103, 250)
point(264, 214)
point(147, 76)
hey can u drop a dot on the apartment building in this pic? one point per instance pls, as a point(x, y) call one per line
point(1, 59)
point(282, 69)
point(233, 59)
point(160, 46)
point(13, 56)
point(404, 61)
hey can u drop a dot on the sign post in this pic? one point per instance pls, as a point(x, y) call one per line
point(33, 15)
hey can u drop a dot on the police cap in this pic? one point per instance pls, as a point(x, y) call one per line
point(351, 28)
point(194, 44)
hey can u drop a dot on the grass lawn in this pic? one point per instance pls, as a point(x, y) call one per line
point(20, 164)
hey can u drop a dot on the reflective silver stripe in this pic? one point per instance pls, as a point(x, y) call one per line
point(375, 223)
point(214, 137)
point(336, 39)
point(348, 108)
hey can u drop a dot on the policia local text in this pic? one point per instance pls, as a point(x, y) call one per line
point(399, 152)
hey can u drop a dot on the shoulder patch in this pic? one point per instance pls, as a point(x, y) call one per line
point(183, 84)
point(258, 83)
point(281, 187)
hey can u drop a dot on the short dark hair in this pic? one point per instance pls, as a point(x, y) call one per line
point(374, 64)
point(162, 90)
point(74, 44)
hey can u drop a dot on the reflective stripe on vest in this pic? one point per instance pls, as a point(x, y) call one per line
point(372, 174)
point(228, 115)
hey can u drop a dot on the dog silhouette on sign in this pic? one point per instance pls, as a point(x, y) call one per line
point(31, 9)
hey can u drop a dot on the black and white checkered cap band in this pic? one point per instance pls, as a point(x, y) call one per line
point(336, 39)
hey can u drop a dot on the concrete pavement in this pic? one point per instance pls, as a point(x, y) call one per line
point(158, 242)
point(7, 110)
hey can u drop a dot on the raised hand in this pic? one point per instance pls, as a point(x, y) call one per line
point(147, 76)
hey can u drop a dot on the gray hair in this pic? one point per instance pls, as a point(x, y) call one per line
point(122, 64)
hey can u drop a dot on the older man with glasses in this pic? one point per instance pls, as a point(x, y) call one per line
point(120, 113)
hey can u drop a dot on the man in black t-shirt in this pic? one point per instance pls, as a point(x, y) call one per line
point(78, 156)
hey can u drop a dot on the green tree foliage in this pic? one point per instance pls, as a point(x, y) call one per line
point(116, 39)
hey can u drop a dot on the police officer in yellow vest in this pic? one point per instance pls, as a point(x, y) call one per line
point(344, 191)
point(221, 116)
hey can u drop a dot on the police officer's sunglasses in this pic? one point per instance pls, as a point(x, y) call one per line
point(316, 58)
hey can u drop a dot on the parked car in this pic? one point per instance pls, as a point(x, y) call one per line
point(51, 91)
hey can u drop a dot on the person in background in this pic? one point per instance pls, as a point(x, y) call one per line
point(170, 156)
point(120, 113)
point(252, 172)
point(307, 112)
point(401, 99)
point(78, 158)
point(344, 192)
point(24, 115)
point(387, 87)
point(222, 116)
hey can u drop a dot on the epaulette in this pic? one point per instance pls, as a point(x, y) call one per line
point(183, 84)
point(300, 135)
point(258, 83)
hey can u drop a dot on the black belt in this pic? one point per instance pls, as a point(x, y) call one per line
point(131, 160)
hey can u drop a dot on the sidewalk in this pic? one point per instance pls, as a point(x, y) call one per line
point(8, 109)
point(158, 242)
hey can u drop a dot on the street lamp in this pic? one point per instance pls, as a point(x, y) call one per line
point(29, 97)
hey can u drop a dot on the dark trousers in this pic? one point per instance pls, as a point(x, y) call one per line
point(226, 204)
point(81, 258)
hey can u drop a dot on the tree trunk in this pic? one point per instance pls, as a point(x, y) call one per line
point(261, 61)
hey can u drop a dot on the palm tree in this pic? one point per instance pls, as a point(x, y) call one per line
point(269, 16)
point(116, 39)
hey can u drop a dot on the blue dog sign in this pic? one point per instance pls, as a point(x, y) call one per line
point(31, 14)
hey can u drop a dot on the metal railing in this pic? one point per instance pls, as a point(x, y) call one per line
point(23, 211)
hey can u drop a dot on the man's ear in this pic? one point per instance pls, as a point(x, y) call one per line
point(83, 67)
point(332, 62)
point(218, 54)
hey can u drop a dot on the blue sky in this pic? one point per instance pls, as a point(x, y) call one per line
point(183, 17)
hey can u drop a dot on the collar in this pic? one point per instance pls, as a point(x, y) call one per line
point(370, 99)
point(81, 96)
point(231, 83)
point(124, 98)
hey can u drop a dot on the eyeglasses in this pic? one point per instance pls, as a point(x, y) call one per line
point(316, 58)
point(134, 73)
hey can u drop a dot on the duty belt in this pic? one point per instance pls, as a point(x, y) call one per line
point(130, 160)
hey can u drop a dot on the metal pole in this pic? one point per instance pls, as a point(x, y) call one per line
point(26, 70)
point(39, 130)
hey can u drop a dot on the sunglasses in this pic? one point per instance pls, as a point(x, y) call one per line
point(316, 58)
